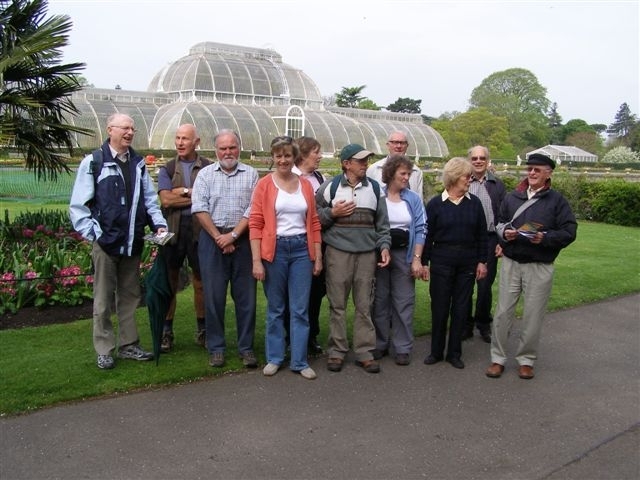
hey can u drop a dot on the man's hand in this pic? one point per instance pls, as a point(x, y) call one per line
point(342, 208)
point(385, 258)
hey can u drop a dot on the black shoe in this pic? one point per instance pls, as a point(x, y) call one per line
point(456, 362)
point(467, 333)
point(378, 354)
point(431, 359)
point(314, 348)
point(403, 359)
point(486, 336)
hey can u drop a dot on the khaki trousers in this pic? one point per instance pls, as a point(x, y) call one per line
point(350, 273)
point(534, 280)
point(115, 278)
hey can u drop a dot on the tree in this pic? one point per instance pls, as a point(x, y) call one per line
point(349, 97)
point(35, 88)
point(405, 105)
point(574, 126)
point(555, 125)
point(516, 94)
point(623, 122)
point(367, 104)
point(475, 127)
point(588, 141)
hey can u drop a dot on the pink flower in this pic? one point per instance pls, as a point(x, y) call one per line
point(27, 233)
point(30, 275)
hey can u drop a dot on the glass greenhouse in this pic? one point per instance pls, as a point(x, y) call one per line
point(251, 91)
point(564, 153)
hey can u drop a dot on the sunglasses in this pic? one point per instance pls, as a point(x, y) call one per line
point(479, 158)
point(282, 139)
point(538, 169)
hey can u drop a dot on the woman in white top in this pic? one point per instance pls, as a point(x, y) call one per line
point(284, 231)
point(395, 285)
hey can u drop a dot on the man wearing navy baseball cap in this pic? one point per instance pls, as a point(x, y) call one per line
point(535, 223)
point(355, 228)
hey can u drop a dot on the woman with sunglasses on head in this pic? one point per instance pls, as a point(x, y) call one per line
point(284, 231)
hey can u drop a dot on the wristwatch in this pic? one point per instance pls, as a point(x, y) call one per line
point(234, 235)
point(185, 191)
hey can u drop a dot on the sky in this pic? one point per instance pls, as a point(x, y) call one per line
point(585, 53)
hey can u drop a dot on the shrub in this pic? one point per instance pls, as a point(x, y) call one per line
point(621, 155)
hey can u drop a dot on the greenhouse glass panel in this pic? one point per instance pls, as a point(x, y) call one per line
point(204, 80)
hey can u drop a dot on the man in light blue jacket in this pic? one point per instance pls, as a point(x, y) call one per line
point(112, 202)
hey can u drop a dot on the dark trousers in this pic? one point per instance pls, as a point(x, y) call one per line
point(450, 289)
point(218, 270)
point(484, 297)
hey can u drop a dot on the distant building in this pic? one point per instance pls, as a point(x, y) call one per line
point(564, 154)
point(249, 90)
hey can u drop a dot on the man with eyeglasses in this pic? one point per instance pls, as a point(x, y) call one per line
point(355, 228)
point(535, 223)
point(397, 144)
point(490, 190)
point(221, 202)
point(112, 202)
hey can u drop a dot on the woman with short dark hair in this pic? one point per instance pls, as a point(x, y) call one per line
point(395, 293)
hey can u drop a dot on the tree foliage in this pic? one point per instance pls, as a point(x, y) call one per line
point(555, 125)
point(588, 141)
point(621, 155)
point(516, 95)
point(475, 127)
point(623, 122)
point(405, 105)
point(367, 104)
point(350, 97)
point(35, 87)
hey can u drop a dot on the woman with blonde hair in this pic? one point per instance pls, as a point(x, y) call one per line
point(455, 255)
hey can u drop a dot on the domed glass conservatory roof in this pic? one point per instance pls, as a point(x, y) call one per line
point(251, 91)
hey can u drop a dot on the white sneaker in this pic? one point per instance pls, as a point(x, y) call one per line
point(308, 373)
point(270, 369)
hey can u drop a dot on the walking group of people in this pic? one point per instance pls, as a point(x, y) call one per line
point(366, 233)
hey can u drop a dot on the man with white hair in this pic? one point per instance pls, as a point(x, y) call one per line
point(397, 144)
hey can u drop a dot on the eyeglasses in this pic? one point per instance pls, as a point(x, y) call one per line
point(126, 129)
point(478, 158)
point(282, 139)
point(397, 142)
point(538, 169)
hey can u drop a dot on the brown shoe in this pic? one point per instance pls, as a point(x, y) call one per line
point(369, 366)
point(525, 372)
point(334, 364)
point(494, 371)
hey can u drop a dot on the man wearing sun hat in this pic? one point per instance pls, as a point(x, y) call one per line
point(355, 227)
point(535, 223)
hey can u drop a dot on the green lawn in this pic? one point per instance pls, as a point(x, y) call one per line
point(51, 364)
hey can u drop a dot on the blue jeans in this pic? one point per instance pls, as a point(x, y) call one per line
point(288, 277)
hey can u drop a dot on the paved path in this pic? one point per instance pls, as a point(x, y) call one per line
point(578, 419)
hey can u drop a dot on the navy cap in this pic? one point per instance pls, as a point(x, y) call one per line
point(539, 159)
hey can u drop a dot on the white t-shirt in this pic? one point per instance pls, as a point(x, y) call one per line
point(291, 212)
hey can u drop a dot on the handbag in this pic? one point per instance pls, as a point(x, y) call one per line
point(399, 238)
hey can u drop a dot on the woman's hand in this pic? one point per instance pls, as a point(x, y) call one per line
point(317, 266)
point(258, 270)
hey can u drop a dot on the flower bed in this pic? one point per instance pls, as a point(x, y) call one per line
point(44, 262)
